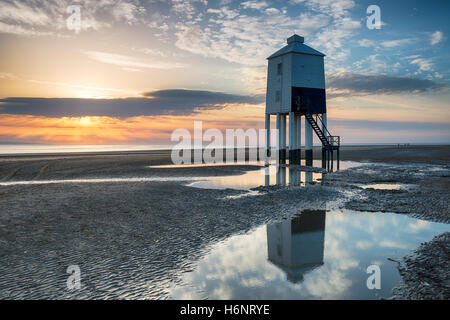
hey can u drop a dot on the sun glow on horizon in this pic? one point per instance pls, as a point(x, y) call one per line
point(90, 130)
point(89, 95)
point(85, 121)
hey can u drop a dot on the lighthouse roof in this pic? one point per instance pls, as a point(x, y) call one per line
point(296, 45)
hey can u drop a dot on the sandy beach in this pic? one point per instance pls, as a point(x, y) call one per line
point(134, 239)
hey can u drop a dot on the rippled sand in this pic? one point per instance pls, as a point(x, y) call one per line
point(131, 239)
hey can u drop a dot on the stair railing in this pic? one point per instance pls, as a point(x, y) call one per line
point(334, 140)
point(331, 140)
point(323, 126)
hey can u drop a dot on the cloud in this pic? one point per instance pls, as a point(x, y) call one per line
point(393, 244)
point(202, 97)
point(161, 102)
point(423, 64)
point(91, 91)
point(336, 8)
point(19, 30)
point(349, 84)
point(390, 126)
point(257, 5)
point(419, 225)
point(128, 62)
point(386, 44)
point(436, 37)
point(366, 43)
point(272, 11)
point(19, 12)
point(44, 17)
point(254, 79)
point(7, 76)
point(242, 35)
point(396, 43)
point(127, 12)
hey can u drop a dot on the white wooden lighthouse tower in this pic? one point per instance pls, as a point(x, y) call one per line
point(296, 88)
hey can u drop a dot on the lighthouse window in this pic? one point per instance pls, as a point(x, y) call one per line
point(277, 96)
point(279, 68)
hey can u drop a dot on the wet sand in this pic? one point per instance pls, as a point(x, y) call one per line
point(418, 282)
point(131, 239)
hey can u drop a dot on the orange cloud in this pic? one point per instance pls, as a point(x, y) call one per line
point(110, 130)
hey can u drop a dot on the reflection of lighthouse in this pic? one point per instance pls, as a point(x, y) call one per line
point(297, 246)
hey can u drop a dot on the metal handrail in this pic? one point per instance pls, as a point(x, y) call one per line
point(323, 126)
point(331, 140)
point(334, 140)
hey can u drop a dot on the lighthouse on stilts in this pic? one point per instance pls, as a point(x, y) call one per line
point(296, 88)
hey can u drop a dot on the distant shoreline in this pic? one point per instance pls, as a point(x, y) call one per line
point(377, 153)
point(14, 149)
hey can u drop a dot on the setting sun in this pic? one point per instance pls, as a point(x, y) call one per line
point(85, 121)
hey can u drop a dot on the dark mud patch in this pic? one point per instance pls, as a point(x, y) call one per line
point(429, 200)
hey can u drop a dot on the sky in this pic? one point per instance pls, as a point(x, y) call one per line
point(131, 72)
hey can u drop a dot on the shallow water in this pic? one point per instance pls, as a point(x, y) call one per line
point(247, 180)
point(271, 175)
point(316, 255)
point(256, 178)
point(93, 180)
point(215, 164)
point(267, 176)
point(388, 186)
point(316, 164)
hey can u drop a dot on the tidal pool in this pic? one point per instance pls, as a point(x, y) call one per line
point(388, 186)
point(266, 176)
point(94, 180)
point(270, 175)
point(315, 255)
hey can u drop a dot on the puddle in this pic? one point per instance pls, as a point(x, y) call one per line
point(215, 164)
point(255, 178)
point(245, 181)
point(316, 163)
point(250, 193)
point(387, 186)
point(316, 255)
point(267, 176)
point(103, 180)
